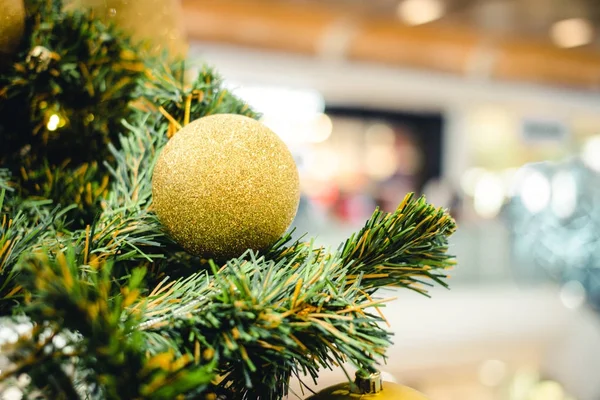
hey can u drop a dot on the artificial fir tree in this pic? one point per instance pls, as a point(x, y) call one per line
point(115, 308)
point(63, 98)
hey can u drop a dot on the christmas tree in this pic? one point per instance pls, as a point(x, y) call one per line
point(104, 303)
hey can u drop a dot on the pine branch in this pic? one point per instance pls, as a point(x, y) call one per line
point(127, 231)
point(126, 228)
point(406, 248)
point(83, 185)
point(5, 179)
point(287, 247)
point(181, 103)
point(108, 353)
point(267, 321)
point(61, 102)
point(24, 227)
point(264, 321)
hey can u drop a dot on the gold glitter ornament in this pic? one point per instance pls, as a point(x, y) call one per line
point(12, 24)
point(224, 184)
point(368, 387)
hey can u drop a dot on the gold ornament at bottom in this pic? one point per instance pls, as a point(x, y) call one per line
point(224, 184)
point(368, 387)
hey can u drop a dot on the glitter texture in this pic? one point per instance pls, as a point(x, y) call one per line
point(224, 184)
point(12, 23)
point(159, 23)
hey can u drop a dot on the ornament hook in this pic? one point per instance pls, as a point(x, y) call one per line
point(367, 382)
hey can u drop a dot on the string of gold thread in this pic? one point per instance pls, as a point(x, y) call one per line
point(377, 309)
point(175, 126)
point(87, 244)
point(171, 130)
point(188, 106)
point(168, 116)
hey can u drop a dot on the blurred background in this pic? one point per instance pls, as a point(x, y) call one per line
point(489, 107)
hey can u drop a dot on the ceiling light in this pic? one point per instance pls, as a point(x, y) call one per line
point(535, 191)
point(564, 194)
point(417, 12)
point(591, 153)
point(572, 32)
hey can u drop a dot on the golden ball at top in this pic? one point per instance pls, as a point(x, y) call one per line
point(158, 23)
point(12, 24)
point(224, 184)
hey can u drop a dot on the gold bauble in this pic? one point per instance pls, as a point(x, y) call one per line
point(12, 24)
point(224, 184)
point(369, 387)
point(157, 22)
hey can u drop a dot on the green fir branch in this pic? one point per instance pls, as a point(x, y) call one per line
point(266, 322)
point(24, 227)
point(406, 248)
point(61, 102)
point(180, 102)
point(108, 352)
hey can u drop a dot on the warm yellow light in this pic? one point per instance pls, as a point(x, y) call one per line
point(572, 32)
point(380, 134)
point(322, 128)
point(548, 390)
point(488, 196)
point(470, 179)
point(324, 164)
point(492, 372)
point(380, 161)
point(53, 122)
point(418, 12)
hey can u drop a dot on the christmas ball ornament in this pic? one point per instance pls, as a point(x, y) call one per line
point(159, 23)
point(368, 386)
point(224, 184)
point(12, 24)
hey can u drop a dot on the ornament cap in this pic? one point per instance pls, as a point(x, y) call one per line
point(368, 385)
point(367, 382)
